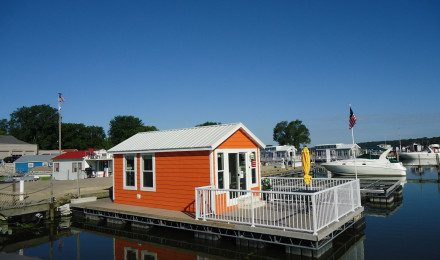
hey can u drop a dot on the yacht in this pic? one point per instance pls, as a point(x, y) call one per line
point(367, 165)
point(429, 156)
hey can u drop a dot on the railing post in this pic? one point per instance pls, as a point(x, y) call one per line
point(21, 189)
point(204, 205)
point(314, 219)
point(197, 208)
point(252, 210)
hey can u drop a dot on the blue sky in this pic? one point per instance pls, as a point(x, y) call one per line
point(176, 64)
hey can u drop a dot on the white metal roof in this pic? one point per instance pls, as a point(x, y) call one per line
point(196, 138)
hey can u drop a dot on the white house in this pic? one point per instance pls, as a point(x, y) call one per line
point(71, 165)
point(331, 152)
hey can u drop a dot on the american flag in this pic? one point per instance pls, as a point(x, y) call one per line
point(352, 120)
point(61, 98)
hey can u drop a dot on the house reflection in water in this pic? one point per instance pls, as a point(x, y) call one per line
point(126, 250)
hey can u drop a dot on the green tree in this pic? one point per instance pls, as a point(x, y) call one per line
point(82, 137)
point(291, 133)
point(123, 127)
point(36, 124)
point(209, 123)
point(4, 127)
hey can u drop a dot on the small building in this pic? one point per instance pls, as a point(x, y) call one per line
point(162, 169)
point(28, 162)
point(11, 146)
point(331, 152)
point(71, 165)
point(282, 154)
point(100, 162)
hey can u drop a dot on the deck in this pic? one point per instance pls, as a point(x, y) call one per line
point(283, 216)
point(160, 217)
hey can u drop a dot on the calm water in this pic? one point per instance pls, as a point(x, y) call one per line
point(407, 229)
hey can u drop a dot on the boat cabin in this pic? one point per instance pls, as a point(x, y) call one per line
point(162, 169)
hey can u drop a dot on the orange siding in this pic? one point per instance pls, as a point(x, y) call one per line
point(177, 176)
point(238, 140)
point(162, 252)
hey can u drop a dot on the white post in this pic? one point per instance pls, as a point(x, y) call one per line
point(315, 221)
point(204, 205)
point(252, 210)
point(197, 205)
point(21, 189)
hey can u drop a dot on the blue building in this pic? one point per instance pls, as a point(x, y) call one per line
point(27, 162)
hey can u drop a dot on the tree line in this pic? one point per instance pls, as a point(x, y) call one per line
point(39, 125)
point(403, 142)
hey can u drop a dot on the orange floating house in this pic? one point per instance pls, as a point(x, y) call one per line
point(162, 169)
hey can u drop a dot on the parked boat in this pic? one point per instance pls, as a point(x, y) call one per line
point(367, 165)
point(428, 156)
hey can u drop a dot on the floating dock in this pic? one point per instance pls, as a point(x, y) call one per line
point(299, 243)
point(381, 190)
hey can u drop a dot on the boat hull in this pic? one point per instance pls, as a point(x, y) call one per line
point(365, 168)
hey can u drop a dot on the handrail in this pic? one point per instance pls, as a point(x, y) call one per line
point(301, 210)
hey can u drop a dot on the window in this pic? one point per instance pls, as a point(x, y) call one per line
point(148, 178)
point(253, 169)
point(129, 172)
point(146, 255)
point(220, 171)
point(56, 167)
point(130, 253)
point(76, 166)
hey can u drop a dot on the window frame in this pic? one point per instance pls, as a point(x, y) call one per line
point(153, 171)
point(56, 167)
point(76, 167)
point(124, 174)
point(222, 170)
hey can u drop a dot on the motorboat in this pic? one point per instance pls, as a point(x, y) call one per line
point(367, 166)
point(428, 156)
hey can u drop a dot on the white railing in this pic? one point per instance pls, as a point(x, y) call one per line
point(290, 206)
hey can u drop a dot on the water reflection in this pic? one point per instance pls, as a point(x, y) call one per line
point(87, 240)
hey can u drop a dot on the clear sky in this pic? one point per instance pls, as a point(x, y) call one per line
point(176, 64)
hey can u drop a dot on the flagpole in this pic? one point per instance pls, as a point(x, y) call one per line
point(59, 123)
point(354, 151)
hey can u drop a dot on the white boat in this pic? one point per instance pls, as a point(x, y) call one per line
point(367, 167)
point(429, 156)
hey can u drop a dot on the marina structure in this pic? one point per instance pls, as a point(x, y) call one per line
point(281, 154)
point(332, 152)
point(207, 180)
